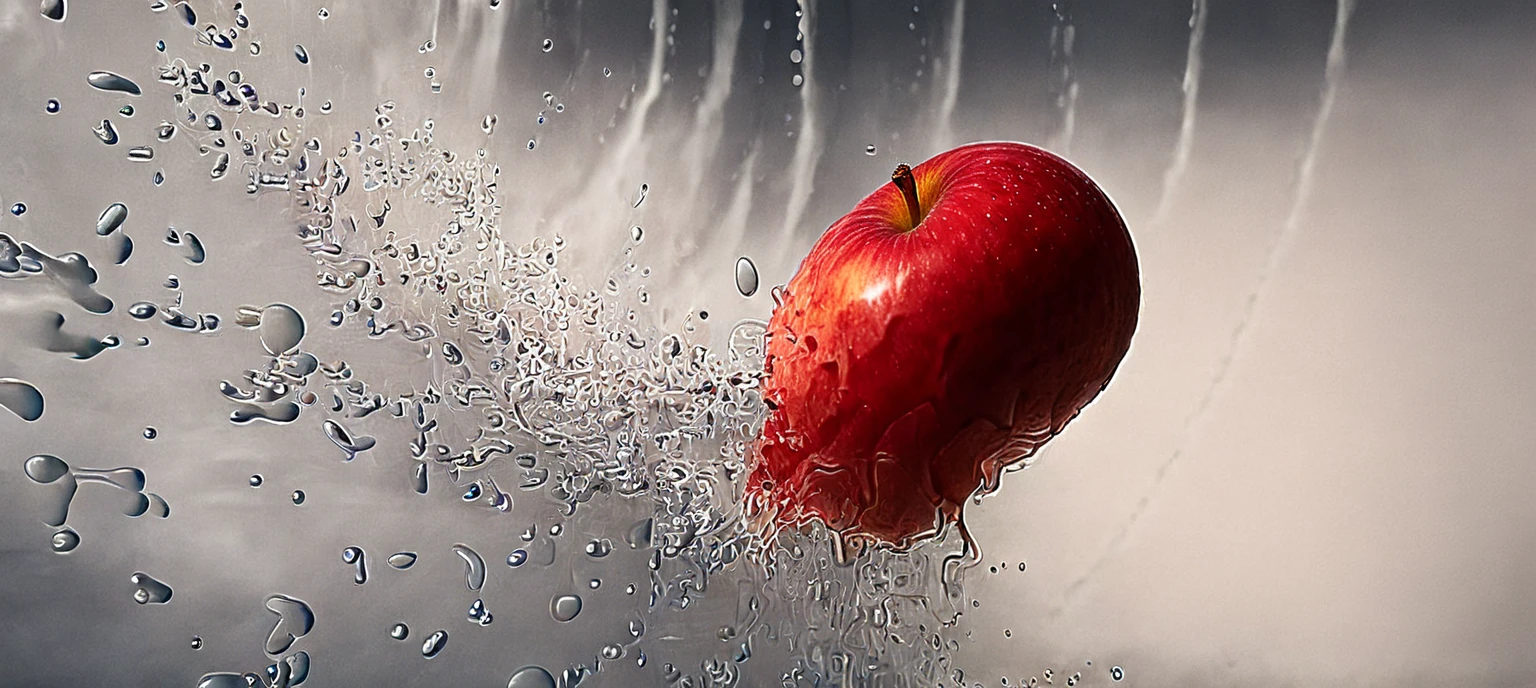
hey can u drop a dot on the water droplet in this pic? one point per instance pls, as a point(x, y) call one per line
point(66, 540)
point(607, 72)
point(149, 591)
point(532, 143)
point(478, 614)
point(402, 560)
point(869, 149)
point(256, 480)
point(300, 54)
point(323, 14)
point(282, 329)
point(106, 133)
point(531, 677)
point(21, 398)
point(474, 566)
point(294, 620)
point(612, 651)
point(53, 106)
point(400, 631)
point(126, 111)
point(640, 194)
point(142, 310)
point(111, 219)
point(598, 549)
point(565, 607)
point(359, 560)
point(796, 56)
point(54, 9)
point(746, 276)
point(434, 644)
point(1116, 673)
point(197, 642)
point(488, 124)
point(151, 433)
point(111, 81)
point(549, 44)
point(141, 154)
point(517, 558)
point(797, 80)
point(18, 209)
point(298, 497)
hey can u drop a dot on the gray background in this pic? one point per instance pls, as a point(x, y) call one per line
point(1351, 505)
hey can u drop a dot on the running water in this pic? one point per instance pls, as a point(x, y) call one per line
point(1194, 424)
point(1191, 86)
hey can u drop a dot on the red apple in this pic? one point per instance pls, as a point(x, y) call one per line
point(946, 328)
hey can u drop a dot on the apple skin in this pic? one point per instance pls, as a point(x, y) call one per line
point(907, 367)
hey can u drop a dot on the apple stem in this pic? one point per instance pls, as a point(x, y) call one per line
point(904, 180)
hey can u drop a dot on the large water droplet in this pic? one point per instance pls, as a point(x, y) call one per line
point(44, 468)
point(565, 607)
point(746, 276)
point(111, 219)
point(359, 560)
point(54, 9)
point(434, 644)
point(531, 677)
point(150, 591)
point(294, 620)
point(301, 54)
point(112, 81)
point(65, 541)
point(474, 566)
point(21, 398)
point(402, 560)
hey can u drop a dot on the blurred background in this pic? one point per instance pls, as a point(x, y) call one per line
point(1315, 465)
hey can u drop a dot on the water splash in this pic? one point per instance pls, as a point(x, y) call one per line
point(1195, 422)
point(1191, 86)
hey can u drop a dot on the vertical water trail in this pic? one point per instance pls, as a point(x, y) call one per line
point(734, 224)
point(1181, 150)
point(808, 146)
point(1064, 81)
point(708, 118)
point(622, 162)
point(1196, 420)
point(944, 133)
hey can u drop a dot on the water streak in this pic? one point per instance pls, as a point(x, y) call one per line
point(1191, 86)
point(808, 145)
point(1195, 422)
